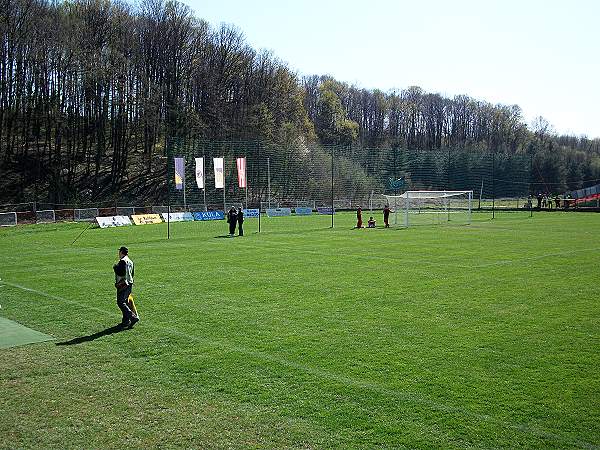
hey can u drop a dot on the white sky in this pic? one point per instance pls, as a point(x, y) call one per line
point(541, 55)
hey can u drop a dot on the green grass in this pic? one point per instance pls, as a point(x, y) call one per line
point(307, 337)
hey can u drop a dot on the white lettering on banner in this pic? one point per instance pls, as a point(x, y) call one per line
point(209, 215)
point(250, 213)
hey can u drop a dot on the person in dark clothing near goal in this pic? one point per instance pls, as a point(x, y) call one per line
point(232, 220)
point(386, 216)
point(359, 222)
point(240, 221)
point(124, 272)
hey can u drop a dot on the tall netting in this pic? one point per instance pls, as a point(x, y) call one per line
point(188, 196)
point(301, 178)
point(366, 175)
point(277, 177)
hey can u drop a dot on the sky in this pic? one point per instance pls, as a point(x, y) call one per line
point(541, 55)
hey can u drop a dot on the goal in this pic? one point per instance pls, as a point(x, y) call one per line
point(8, 219)
point(46, 216)
point(430, 207)
point(85, 214)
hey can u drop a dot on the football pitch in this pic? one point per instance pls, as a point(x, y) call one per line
point(301, 336)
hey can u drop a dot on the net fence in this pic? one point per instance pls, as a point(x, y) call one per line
point(303, 175)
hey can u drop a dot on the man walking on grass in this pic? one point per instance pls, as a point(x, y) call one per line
point(124, 272)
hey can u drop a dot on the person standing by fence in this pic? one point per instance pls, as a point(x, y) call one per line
point(359, 222)
point(240, 221)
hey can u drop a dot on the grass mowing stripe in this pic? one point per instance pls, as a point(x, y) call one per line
point(300, 249)
point(340, 379)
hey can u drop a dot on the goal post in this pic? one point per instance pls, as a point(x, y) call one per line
point(431, 207)
point(8, 219)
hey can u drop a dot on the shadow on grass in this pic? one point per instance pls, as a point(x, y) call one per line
point(224, 236)
point(92, 337)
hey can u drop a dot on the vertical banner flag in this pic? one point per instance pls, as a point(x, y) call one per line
point(241, 167)
point(219, 175)
point(179, 173)
point(200, 173)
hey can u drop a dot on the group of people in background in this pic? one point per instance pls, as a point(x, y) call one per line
point(546, 200)
point(371, 222)
point(235, 217)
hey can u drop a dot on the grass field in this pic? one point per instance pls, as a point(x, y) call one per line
point(307, 337)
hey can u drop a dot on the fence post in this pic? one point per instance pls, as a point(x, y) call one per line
point(493, 185)
point(259, 186)
point(332, 206)
point(448, 171)
point(169, 143)
point(530, 191)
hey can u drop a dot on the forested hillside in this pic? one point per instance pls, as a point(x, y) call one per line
point(90, 91)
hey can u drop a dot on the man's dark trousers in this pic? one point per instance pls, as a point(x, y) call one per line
point(122, 296)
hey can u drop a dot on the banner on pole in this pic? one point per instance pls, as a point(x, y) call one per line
point(219, 175)
point(200, 173)
point(241, 167)
point(179, 173)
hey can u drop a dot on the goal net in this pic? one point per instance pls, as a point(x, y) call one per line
point(8, 219)
point(430, 207)
point(46, 216)
point(85, 214)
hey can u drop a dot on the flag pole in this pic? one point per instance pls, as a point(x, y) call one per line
point(184, 202)
point(245, 180)
point(168, 202)
point(204, 182)
point(224, 206)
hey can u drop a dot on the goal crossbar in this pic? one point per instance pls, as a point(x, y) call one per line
point(430, 194)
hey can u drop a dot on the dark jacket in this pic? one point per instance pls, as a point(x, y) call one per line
point(231, 217)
